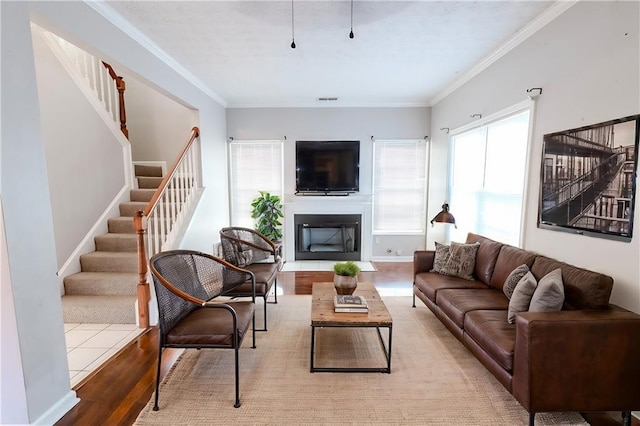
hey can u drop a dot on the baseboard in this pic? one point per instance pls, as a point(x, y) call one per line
point(58, 410)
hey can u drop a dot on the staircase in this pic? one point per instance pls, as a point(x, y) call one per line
point(104, 292)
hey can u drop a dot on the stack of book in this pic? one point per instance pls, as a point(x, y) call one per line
point(350, 303)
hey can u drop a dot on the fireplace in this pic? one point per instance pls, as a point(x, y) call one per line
point(327, 236)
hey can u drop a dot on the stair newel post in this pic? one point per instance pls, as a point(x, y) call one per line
point(143, 286)
point(121, 86)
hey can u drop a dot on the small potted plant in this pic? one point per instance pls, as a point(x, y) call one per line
point(346, 277)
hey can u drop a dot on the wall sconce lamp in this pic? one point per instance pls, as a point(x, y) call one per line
point(444, 216)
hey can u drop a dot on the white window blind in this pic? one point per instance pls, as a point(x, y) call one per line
point(487, 179)
point(254, 166)
point(399, 186)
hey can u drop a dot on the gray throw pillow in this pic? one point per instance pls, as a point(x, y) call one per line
point(440, 258)
point(549, 295)
point(512, 280)
point(521, 297)
point(462, 260)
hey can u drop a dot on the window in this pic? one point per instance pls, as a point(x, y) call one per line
point(253, 166)
point(399, 186)
point(488, 166)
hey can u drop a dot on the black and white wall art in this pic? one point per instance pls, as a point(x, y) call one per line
point(589, 177)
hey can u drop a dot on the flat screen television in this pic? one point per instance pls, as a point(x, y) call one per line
point(327, 166)
point(588, 179)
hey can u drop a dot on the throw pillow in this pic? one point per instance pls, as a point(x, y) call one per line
point(549, 295)
point(513, 279)
point(462, 260)
point(441, 257)
point(521, 297)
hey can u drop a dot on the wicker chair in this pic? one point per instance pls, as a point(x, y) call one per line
point(251, 250)
point(186, 282)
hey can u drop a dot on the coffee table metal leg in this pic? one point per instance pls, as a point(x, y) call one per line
point(313, 344)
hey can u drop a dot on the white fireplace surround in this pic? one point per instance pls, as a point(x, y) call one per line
point(357, 203)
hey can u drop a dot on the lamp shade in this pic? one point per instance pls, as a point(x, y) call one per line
point(444, 216)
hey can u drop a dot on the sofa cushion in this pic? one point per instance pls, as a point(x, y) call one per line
point(492, 333)
point(549, 294)
point(455, 303)
point(509, 259)
point(521, 297)
point(441, 257)
point(462, 260)
point(486, 256)
point(429, 283)
point(583, 289)
point(513, 279)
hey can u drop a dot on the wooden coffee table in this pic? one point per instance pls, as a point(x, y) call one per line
point(323, 315)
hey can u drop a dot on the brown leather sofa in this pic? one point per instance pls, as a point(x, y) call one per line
point(584, 358)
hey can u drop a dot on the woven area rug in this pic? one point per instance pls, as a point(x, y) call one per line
point(434, 379)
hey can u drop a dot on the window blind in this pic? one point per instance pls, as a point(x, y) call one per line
point(399, 186)
point(487, 179)
point(254, 166)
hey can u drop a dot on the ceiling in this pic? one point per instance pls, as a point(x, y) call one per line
point(404, 53)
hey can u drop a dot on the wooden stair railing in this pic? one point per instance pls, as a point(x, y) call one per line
point(121, 87)
point(162, 217)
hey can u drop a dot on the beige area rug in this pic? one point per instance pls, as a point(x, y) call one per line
point(434, 379)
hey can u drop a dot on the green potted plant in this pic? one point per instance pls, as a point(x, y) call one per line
point(267, 210)
point(346, 277)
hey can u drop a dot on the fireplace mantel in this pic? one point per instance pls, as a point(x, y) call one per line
point(358, 203)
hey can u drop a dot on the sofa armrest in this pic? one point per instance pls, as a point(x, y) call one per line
point(577, 360)
point(423, 261)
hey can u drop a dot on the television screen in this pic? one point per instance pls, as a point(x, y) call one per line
point(588, 179)
point(327, 166)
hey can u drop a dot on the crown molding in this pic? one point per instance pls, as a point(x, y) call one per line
point(337, 104)
point(129, 29)
point(551, 13)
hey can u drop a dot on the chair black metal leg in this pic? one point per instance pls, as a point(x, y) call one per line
point(275, 291)
point(532, 419)
point(414, 300)
point(626, 418)
point(237, 403)
point(155, 406)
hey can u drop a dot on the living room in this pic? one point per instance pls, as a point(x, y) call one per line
point(575, 92)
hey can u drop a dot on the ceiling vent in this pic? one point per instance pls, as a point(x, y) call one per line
point(328, 99)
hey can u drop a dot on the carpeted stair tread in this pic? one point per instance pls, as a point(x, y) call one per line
point(141, 194)
point(116, 242)
point(121, 225)
point(145, 170)
point(130, 208)
point(109, 261)
point(101, 283)
point(99, 309)
point(145, 182)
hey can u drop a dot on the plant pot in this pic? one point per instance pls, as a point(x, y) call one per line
point(345, 284)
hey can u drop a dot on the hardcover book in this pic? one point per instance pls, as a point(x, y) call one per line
point(350, 303)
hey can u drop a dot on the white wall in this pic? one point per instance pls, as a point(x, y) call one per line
point(587, 62)
point(85, 166)
point(42, 374)
point(336, 124)
point(25, 194)
point(158, 125)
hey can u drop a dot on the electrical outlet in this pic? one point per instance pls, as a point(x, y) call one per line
point(398, 252)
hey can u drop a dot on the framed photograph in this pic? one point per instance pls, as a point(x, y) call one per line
point(588, 179)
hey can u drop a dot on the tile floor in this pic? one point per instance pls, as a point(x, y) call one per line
point(90, 345)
